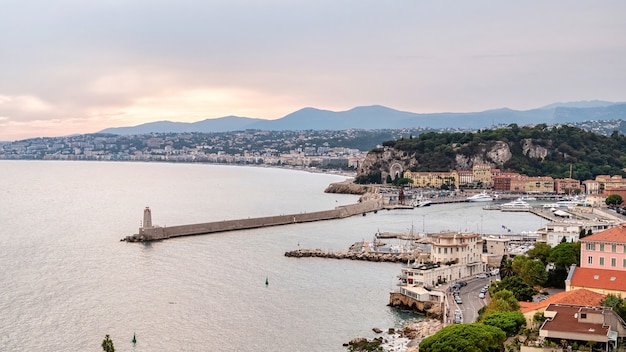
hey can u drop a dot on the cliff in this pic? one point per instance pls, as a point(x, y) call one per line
point(534, 151)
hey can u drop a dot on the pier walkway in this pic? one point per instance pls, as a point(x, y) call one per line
point(368, 203)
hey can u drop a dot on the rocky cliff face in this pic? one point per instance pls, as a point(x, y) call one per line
point(391, 161)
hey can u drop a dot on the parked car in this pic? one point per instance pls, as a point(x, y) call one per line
point(481, 276)
point(481, 295)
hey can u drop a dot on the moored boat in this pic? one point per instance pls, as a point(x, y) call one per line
point(480, 197)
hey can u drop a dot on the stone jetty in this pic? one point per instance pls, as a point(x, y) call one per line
point(370, 202)
point(353, 255)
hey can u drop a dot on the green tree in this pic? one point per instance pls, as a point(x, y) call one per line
point(614, 200)
point(534, 273)
point(565, 254)
point(516, 285)
point(509, 322)
point(541, 252)
point(518, 263)
point(615, 302)
point(506, 267)
point(107, 344)
point(502, 301)
point(473, 337)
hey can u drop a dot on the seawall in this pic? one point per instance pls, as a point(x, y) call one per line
point(367, 203)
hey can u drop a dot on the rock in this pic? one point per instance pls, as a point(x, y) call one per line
point(346, 187)
point(357, 340)
point(377, 330)
point(391, 331)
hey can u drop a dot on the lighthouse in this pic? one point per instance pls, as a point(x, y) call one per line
point(147, 217)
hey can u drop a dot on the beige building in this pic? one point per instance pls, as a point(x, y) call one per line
point(609, 182)
point(539, 184)
point(433, 179)
point(482, 173)
point(453, 256)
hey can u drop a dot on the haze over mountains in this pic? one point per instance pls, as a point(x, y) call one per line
point(381, 117)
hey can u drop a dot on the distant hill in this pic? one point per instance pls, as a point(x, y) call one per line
point(533, 151)
point(381, 117)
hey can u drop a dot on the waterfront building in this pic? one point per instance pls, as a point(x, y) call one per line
point(596, 200)
point(502, 182)
point(591, 187)
point(433, 179)
point(453, 256)
point(554, 231)
point(619, 191)
point(602, 263)
point(494, 248)
point(539, 184)
point(466, 177)
point(566, 185)
point(482, 174)
point(610, 182)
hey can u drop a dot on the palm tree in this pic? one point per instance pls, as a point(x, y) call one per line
point(506, 268)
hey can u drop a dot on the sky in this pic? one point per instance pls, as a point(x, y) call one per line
point(75, 66)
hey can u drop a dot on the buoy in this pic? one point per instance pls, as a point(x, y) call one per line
point(134, 339)
point(267, 282)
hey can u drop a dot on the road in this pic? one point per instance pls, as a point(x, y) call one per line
point(471, 302)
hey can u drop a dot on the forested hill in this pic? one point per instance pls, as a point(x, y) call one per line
point(534, 151)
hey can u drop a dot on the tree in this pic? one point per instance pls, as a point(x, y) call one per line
point(615, 302)
point(107, 344)
point(506, 267)
point(534, 273)
point(516, 285)
point(502, 301)
point(541, 252)
point(473, 337)
point(518, 263)
point(509, 322)
point(614, 200)
point(565, 254)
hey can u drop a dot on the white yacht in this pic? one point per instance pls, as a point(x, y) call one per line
point(480, 197)
point(516, 205)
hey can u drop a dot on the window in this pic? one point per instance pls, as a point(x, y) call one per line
point(614, 248)
point(601, 260)
point(601, 247)
point(623, 263)
point(583, 315)
point(590, 260)
point(613, 262)
point(591, 246)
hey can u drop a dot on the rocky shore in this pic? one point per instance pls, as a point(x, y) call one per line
point(405, 340)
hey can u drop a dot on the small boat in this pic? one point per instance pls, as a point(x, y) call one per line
point(480, 197)
point(421, 203)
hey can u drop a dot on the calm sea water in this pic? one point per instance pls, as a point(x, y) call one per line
point(67, 280)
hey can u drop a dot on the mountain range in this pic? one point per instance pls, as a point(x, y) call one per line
point(381, 117)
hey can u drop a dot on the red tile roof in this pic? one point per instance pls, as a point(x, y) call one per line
point(581, 297)
point(599, 278)
point(614, 234)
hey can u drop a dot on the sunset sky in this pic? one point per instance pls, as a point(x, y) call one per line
point(82, 66)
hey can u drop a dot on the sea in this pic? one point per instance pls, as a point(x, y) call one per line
point(66, 279)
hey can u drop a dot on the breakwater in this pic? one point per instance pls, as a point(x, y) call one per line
point(367, 256)
point(371, 202)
